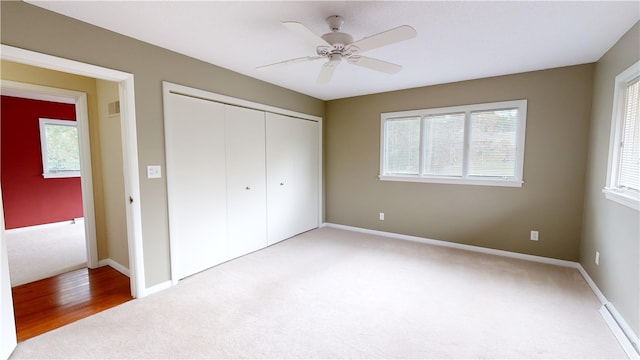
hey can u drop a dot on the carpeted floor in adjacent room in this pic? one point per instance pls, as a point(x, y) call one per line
point(40, 252)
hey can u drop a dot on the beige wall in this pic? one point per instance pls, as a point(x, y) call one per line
point(112, 167)
point(38, 76)
point(26, 26)
point(550, 200)
point(608, 227)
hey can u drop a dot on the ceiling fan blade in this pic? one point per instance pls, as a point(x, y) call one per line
point(375, 64)
point(304, 31)
point(326, 72)
point(388, 37)
point(291, 61)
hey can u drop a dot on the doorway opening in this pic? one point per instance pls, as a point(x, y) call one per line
point(129, 148)
point(45, 212)
point(130, 173)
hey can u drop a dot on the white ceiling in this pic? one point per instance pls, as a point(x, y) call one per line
point(456, 40)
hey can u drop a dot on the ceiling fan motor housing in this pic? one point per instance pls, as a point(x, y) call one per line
point(338, 40)
point(337, 37)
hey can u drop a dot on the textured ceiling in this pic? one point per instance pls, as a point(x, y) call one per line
point(456, 40)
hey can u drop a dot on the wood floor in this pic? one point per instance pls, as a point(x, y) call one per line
point(50, 303)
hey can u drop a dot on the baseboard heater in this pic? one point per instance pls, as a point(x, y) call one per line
point(621, 330)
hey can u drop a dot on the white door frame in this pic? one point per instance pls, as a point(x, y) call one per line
point(8, 338)
point(37, 92)
point(129, 144)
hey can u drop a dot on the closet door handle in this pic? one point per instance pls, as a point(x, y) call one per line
point(248, 188)
point(281, 184)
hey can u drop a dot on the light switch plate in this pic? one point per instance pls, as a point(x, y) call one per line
point(154, 172)
point(534, 235)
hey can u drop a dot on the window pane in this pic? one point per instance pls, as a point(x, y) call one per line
point(493, 143)
point(62, 148)
point(402, 146)
point(630, 155)
point(444, 143)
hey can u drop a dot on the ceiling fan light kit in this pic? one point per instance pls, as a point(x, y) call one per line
point(335, 46)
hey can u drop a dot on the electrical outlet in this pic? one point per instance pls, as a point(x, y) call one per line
point(597, 258)
point(381, 216)
point(154, 172)
point(534, 235)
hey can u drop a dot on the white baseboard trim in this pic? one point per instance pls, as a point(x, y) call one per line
point(618, 325)
point(478, 249)
point(41, 226)
point(154, 289)
point(627, 339)
point(620, 328)
point(119, 267)
point(592, 284)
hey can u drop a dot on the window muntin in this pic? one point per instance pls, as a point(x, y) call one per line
point(623, 171)
point(60, 149)
point(481, 144)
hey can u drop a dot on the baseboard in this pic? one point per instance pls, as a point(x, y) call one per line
point(478, 249)
point(119, 267)
point(42, 226)
point(627, 339)
point(620, 328)
point(618, 325)
point(592, 284)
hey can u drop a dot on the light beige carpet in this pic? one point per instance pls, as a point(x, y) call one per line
point(38, 253)
point(332, 293)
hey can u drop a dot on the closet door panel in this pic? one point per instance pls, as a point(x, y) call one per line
point(195, 148)
point(306, 167)
point(280, 176)
point(292, 176)
point(246, 188)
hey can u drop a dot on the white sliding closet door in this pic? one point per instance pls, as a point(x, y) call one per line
point(246, 187)
point(292, 176)
point(195, 155)
point(307, 169)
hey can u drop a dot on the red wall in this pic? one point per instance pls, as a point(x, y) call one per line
point(28, 198)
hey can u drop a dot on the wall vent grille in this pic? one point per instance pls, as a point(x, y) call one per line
point(114, 108)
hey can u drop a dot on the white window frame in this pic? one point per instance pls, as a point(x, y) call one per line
point(465, 179)
point(46, 173)
point(621, 195)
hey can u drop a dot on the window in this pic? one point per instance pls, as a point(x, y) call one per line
point(60, 150)
point(623, 174)
point(481, 144)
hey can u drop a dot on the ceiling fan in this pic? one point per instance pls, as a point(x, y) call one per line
point(336, 46)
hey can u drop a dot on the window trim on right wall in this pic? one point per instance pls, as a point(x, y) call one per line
point(613, 191)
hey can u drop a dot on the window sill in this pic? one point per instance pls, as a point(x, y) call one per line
point(65, 174)
point(628, 198)
point(458, 181)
